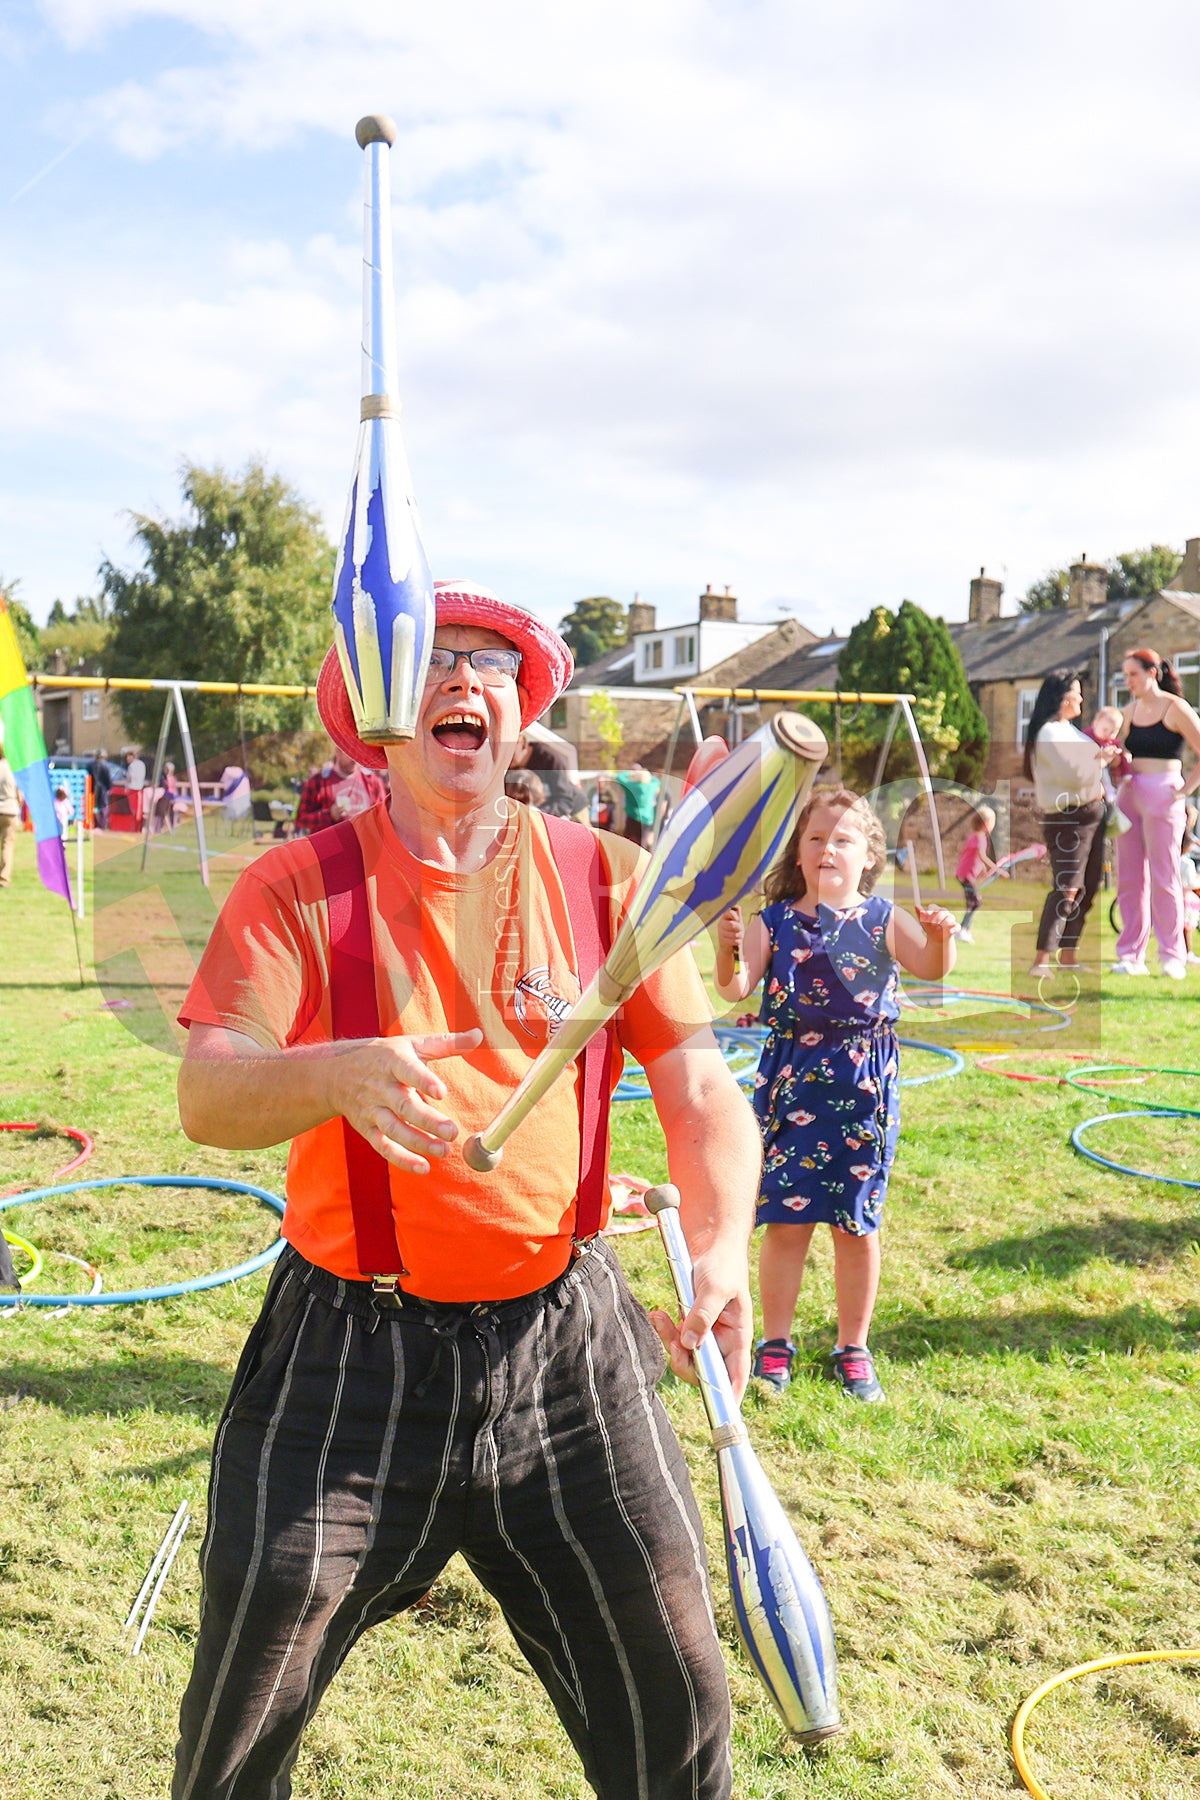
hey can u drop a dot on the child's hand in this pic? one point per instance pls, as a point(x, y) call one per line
point(730, 930)
point(938, 923)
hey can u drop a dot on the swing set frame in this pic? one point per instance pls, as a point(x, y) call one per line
point(902, 712)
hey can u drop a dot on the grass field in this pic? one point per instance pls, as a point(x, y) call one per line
point(1027, 1499)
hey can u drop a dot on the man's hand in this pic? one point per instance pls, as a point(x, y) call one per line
point(384, 1087)
point(722, 1305)
point(239, 1095)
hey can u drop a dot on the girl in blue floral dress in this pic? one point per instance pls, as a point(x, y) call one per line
point(827, 1091)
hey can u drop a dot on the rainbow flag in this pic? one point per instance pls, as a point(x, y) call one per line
point(25, 749)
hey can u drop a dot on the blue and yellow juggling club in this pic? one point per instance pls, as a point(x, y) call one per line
point(782, 1614)
point(717, 846)
point(383, 604)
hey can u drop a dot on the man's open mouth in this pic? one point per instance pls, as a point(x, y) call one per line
point(460, 731)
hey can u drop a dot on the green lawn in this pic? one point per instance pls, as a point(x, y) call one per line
point(1026, 1501)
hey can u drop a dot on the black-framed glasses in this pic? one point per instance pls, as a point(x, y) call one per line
point(491, 666)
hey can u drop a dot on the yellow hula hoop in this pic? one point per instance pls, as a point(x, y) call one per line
point(32, 1252)
point(1032, 1784)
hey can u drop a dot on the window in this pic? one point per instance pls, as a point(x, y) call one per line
point(91, 704)
point(1025, 700)
point(1187, 666)
point(558, 715)
point(685, 650)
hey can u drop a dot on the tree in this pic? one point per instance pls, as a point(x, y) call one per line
point(909, 652)
point(605, 720)
point(593, 627)
point(238, 589)
point(1136, 574)
point(1132, 575)
point(28, 635)
point(1048, 593)
point(83, 635)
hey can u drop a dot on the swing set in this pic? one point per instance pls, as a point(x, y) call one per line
point(746, 704)
point(174, 706)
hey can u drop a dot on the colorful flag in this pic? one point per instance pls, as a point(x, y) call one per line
point(25, 749)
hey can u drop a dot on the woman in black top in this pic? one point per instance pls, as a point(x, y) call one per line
point(1158, 722)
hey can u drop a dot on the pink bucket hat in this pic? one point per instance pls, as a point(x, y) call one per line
point(546, 666)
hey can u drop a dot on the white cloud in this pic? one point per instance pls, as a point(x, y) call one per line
point(835, 302)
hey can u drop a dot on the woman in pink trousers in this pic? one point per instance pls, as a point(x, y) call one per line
point(1157, 723)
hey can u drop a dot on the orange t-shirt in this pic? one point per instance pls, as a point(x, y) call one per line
point(492, 949)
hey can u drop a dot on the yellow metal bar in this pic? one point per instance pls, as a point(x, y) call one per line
point(845, 696)
point(140, 685)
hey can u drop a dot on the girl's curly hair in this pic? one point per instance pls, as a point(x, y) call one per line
point(786, 880)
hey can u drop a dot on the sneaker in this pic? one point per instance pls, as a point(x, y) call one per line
point(854, 1369)
point(1192, 957)
point(1126, 966)
point(773, 1359)
point(1174, 968)
point(965, 936)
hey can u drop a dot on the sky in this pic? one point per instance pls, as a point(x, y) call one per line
point(830, 301)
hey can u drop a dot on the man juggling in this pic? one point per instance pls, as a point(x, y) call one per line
point(448, 1360)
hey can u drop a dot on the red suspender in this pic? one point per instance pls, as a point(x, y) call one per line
point(356, 1015)
point(577, 855)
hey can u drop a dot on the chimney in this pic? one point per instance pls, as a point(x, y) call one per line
point(1187, 579)
point(718, 606)
point(985, 600)
point(1089, 585)
point(640, 617)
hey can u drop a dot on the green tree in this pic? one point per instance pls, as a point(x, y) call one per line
point(908, 652)
point(81, 635)
point(1048, 593)
point(28, 635)
point(1136, 574)
point(592, 627)
point(238, 589)
point(605, 719)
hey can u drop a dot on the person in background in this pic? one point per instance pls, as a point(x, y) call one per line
point(167, 801)
point(1157, 723)
point(973, 864)
point(556, 762)
point(64, 809)
point(1065, 767)
point(135, 783)
point(525, 786)
point(10, 817)
point(1189, 881)
point(319, 793)
point(1105, 730)
point(639, 790)
point(101, 776)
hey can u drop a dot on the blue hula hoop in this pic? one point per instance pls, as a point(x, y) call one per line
point(171, 1290)
point(1139, 1112)
point(739, 1040)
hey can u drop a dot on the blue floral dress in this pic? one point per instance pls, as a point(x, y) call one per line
point(827, 1092)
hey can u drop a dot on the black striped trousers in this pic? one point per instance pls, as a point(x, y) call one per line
point(359, 1450)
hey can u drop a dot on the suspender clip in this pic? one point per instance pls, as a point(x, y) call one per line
point(385, 1293)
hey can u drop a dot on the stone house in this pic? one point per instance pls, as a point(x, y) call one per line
point(77, 721)
point(641, 676)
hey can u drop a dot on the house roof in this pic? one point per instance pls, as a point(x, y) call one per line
point(1028, 645)
point(613, 669)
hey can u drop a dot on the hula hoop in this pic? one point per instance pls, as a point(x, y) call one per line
point(985, 1063)
point(913, 996)
point(1032, 1784)
point(67, 1131)
point(1077, 1081)
point(957, 1063)
point(1140, 1112)
point(58, 1311)
point(31, 1251)
point(738, 1040)
point(170, 1290)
